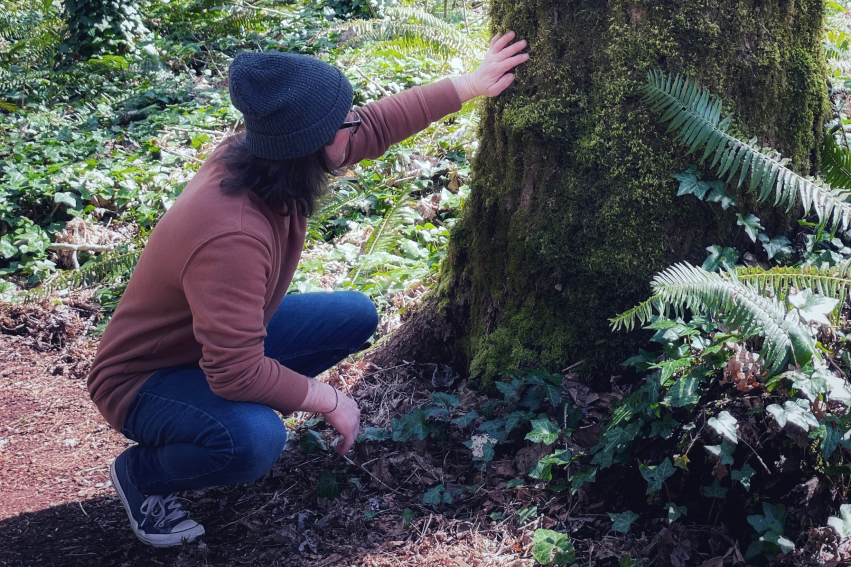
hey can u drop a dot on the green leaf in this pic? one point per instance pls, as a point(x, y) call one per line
point(525, 514)
point(751, 224)
point(714, 490)
point(411, 425)
point(691, 185)
point(515, 483)
point(64, 198)
point(656, 475)
point(663, 427)
point(623, 522)
point(7, 249)
point(674, 511)
point(725, 258)
point(434, 496)
point(744, 476)
point(777, 246)
point(719, 195)
point(466, 419)
point(724, 451)
point(552, 547)
point(543, 431)
point(407, 517)
point(580, 478)
point(327, 487)
point(684, 392)
point(373, 434)
point(772, 519)
point(813, 308)
point(311, 441)
point(841, 524)
point(724, 425)
point(510, 389)
point(442, 399)
point(794, 414)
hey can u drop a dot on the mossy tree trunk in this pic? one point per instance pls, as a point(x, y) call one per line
point(573, 208)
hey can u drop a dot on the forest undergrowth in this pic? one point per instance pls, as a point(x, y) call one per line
point(726, 442)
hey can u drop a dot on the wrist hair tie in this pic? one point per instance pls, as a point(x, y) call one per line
point(336, 399)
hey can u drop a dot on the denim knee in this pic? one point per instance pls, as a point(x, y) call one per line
point(364, 312)
point(258, 444)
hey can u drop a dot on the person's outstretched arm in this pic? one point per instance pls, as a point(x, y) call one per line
point(397, 117)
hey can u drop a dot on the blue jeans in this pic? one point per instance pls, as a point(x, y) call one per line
point(189, 438)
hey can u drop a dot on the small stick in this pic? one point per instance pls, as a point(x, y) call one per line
point(359, 72)
point(83, 247)
point(364, 469)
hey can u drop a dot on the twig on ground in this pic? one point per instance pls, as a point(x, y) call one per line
point(364, 469)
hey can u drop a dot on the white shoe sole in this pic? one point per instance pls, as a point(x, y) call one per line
point(155, 540)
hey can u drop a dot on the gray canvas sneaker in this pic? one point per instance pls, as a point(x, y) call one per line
point(159, 521)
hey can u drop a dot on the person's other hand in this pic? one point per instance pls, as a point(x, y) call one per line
point(492, 77)
point(346, 420)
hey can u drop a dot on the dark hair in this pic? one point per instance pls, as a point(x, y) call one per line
point(283, 184)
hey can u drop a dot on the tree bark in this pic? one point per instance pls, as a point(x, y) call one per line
point(573, 208)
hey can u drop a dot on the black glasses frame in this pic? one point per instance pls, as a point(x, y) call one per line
point(355, 124)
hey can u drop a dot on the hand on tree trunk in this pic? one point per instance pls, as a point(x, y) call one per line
point(492, 77)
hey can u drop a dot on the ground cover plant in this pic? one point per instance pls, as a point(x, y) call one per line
point(725, 439)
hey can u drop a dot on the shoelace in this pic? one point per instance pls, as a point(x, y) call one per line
point(157, 506)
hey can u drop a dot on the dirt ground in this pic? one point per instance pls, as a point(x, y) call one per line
point(57, 506)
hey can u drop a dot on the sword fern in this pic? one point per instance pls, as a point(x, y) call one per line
point(697, 116)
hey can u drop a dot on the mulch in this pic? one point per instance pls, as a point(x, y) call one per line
point(57, 506)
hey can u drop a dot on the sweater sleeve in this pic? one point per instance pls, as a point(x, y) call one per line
point(225, 285)
point(392, 119)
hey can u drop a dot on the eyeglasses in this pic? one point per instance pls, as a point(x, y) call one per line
point(353, 124)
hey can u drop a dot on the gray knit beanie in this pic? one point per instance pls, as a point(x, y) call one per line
point(292, 104)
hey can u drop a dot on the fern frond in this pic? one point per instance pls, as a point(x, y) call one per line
point(683, 286)
point(836, 163)
point(385, 236)
point(331, 207)
point(641, 313)
point(107, 266)
point(697, 115)
point(830, 281)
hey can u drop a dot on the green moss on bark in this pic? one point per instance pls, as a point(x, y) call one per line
point(573, 208)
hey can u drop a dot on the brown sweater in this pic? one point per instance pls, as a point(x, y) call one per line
point(216, 268)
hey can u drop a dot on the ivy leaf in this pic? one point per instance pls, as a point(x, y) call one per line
point(725, 425)
point(675, 511)
point(327, 487)
point(842, 524)
point(65, 198)
point(411, 425)
point(785, 545)
point(515, 482)
point(580, 478)
point(719, 194)
point(725, 258)
point(408, 516)
point(744, 476)
point(7, 249)
point(642, 361)
point(829, 440)
point(663, 427)
point(523, 514)
point(811, 386)
point(684, 392)
point(466, 419)
point(772, 519)
point(691, 185)
point(623, 521)
point(751, 224)
point(724, 451)
point(373, 434)
point(311, 441)
point(543, 431)
point(656, 475)
point(779, 245)
point(550, 546)
point(515, 418)
point(714, 490)
point(434, 496)
point(509, 389)
point(442, 399)
point(794, 414)
point(813, 308)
